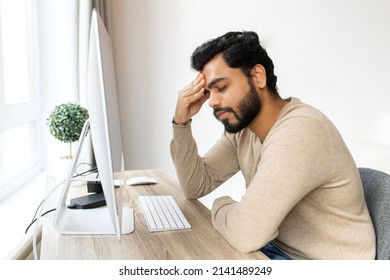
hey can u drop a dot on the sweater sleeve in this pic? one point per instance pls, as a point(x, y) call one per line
point(292, 164)
point(199, 175)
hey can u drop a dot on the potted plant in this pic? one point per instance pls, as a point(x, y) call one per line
point(66, 122)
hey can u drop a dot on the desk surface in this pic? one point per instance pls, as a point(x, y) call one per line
point(201, 242)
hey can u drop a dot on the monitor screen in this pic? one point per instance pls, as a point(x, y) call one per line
point(105, 130)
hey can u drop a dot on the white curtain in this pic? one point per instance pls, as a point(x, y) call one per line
point(63, 55)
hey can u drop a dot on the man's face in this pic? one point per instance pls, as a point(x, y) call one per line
point(233, 96)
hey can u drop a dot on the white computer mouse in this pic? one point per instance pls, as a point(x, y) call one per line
point(141, 180)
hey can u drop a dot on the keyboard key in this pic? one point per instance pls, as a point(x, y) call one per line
point(162, 213)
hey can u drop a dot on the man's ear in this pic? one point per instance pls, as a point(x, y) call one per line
point(259, 76)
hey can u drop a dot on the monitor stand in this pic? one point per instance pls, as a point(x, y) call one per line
point(92, 221)
point(96, 220)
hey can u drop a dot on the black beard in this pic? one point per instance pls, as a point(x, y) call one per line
point(248, 108)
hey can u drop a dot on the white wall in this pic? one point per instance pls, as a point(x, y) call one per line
point(332, 54)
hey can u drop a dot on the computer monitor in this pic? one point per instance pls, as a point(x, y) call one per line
point(104, 124)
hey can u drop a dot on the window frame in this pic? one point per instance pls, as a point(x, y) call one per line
point(14, 115)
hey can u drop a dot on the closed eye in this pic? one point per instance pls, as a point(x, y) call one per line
point(220, 89)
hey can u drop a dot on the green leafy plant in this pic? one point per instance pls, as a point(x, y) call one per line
point(66, 123)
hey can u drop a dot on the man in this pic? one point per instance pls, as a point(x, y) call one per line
point(304, 198)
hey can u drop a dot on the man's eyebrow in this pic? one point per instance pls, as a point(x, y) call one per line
point(214, 81)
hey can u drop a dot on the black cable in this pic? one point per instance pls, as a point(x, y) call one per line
point(93, 169)
point(34, 220)
point(36, 211)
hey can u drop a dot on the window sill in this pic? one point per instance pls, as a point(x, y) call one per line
point(16, 213)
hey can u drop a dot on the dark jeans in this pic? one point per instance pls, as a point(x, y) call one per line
point(274, 253)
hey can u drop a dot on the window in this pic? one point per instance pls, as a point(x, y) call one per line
point(19, 99)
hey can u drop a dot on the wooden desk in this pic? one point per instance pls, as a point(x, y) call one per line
point(201, 242)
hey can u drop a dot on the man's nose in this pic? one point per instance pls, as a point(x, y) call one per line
point(214, 100)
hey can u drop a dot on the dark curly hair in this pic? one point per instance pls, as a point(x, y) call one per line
point(240, 50)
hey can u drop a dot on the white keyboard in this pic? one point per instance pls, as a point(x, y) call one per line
point(162, 213)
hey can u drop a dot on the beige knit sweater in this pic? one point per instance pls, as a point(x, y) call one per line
point(303, 190)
